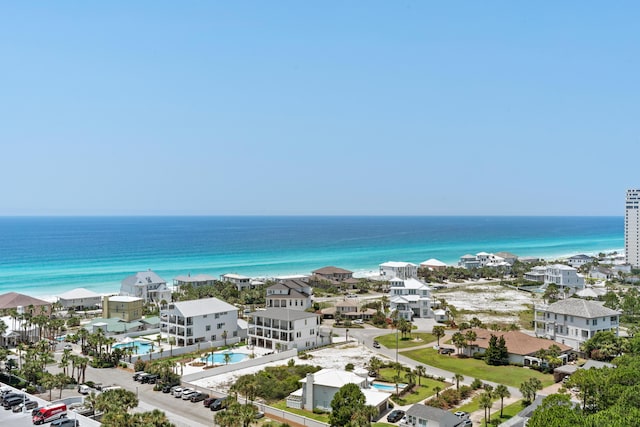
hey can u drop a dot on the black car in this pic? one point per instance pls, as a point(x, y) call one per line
point(218, 404)
point(395, 416)
point(166, 388)
point(65, 422)
point(208, 401)
point(198, 397)
point(149, 379)
point(9, 396)
point(12, 401)
point(446, 350)
point(28, 406)
point(376, 344)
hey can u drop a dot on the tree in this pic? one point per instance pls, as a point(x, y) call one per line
point(375, 364)
point(556, 410)
point(227, 358)
point(551, 294)
point(224, 337)
point(349, 400)
point(475, 322)
point(458, 341)
point(501, 391)
point(485, 403)
point(420, 372)
point(457, 378)
point(470, 336)
point(438, 332)
point(411, 377)
point(529, 389)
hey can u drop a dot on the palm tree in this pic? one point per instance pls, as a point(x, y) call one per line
point(420, 372)
point(438, 332)
point(397, 378)
point(227, 358)
point(485, 403)
point(437, 390)
point(457, 378)
point(470, 336)
point(224, 337)
point(501, 391)
point(410, 377)
point(375, 364)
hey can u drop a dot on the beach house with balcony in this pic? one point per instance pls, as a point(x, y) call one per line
point(80, 299)
point(202, 320)
point(20, 303)
point(433, 264)
point(241, 282)
point(294, 294)
point(195, 281)
point(284, 329)
point(332, 273)
point(572, 321)
point(146, 285)
point(577, 261)
point(319, 388)
point(410, 298)
point(485, 259)
point(399, 270)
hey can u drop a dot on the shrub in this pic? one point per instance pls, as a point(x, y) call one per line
point(348, 367)
point(451, 396)
point(465, 391)
point(476, 384)
point(73, 322)
point(140, 365)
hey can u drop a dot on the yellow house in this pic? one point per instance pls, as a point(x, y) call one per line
point(122, 307)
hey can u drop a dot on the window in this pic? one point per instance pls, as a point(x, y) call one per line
point(207, 328)
point(219, 325)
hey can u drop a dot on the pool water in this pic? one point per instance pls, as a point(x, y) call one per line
point(387, 387)
point(218, 358)
point(139, 347)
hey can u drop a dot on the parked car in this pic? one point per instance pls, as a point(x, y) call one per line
point(167, 388)
point(12, 401)
point(218, 404)
point(137, 374)
point(208, 401)
point(67, 347)
point(395, 416)
point(27, 405)
point(84, 389)
point(176, 392)
point(65, 422)
point(467, 423)
point(358, 321)
point(460, 414)
point(141, 377)
point(376, 344)
point(149, 379)
point(446, 350)
point(187, 393)
point(198, 396)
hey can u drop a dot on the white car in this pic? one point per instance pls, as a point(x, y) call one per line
point(67, 347)
point(187, 392)
point(177, 392)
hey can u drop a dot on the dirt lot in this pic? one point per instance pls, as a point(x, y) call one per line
point(488, 301)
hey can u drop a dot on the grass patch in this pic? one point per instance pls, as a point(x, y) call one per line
point(389, 340)
point(382, 425)
point(508, 412)
point(419, 393)
point(507, 375)
point(525, 318)
point(282, 405)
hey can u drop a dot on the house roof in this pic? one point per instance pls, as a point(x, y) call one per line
point(347, 303)
point(79, 293)
point(335, 378)
point(580, 308)
point(201, 307)
point(442, 417)
point(331, 270)
point(506, 255)
point(409, 284)
point(143, 278)
point(396, 264)
point(581, 256)
point(468, 256)
point(14, 300)
point(235, 276)
point(123, 298)
point(283, 314)
point(374, 397)
point(517, 342)
point(295, 288)
point(597, 364)
point(434, 262)
point(194, 279)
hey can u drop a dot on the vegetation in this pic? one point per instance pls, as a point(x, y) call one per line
point(348, 408)
point(225, 291)
point(416, 339)
point(274, 382)
point(497, 353)
point(115, 405)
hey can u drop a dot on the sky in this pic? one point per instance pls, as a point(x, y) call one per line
point(318, 108)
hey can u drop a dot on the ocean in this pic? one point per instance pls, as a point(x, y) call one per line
point(45, 256)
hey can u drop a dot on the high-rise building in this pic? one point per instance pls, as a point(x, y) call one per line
point(632, 228)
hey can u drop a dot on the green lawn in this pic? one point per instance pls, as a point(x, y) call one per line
point(507, 375)
point(282, 404)
point(418, 394)
point(416, 339)
point(474, 405)
point(382, 425)
point(508, 412)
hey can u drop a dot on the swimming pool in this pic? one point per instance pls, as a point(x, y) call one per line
point(218, 358)
point(387, 387)
point(139, 347)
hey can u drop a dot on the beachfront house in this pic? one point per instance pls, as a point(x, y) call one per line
point(572, 321)
point(194, 281)
point(13, 302)
point(319, 388)
point(419, 415)
point(332, 273)
point(204, 320)
point(522, 348)
point(294, 294)
point(485, 259)
point(146, 285)
point(433, 264)
point(241, 282)
point(80, 299)
point(566, 278)
point(410, 298)
point(577, 261)
point(399, 270)
point(284, 329)
point(122, 307)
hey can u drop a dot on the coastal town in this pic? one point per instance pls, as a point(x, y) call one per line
point(478, 343)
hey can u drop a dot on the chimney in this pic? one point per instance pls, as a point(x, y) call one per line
point(308, 401)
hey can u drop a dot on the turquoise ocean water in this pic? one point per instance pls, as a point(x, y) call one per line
point(48, 255)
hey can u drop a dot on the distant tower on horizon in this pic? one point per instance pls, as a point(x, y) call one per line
point(632, 228)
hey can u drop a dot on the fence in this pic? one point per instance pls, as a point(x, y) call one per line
point(176, 351)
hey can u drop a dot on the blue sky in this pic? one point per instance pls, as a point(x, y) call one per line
point(396, 107)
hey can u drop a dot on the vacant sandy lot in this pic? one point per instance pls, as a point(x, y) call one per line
point(487, 301)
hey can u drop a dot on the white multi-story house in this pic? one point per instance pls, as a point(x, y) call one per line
point(632, 228)
point(564, 277)
point(573, 321)
point(433, 264)
point(292, 293)
point(79, 299)
point(579, 260)
point(400, 270)
point(485, 259)
point(241, 282)
point(411, 298)
point(202, 320)
point(536, 274)
point(146, 285)
point(284, 329)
